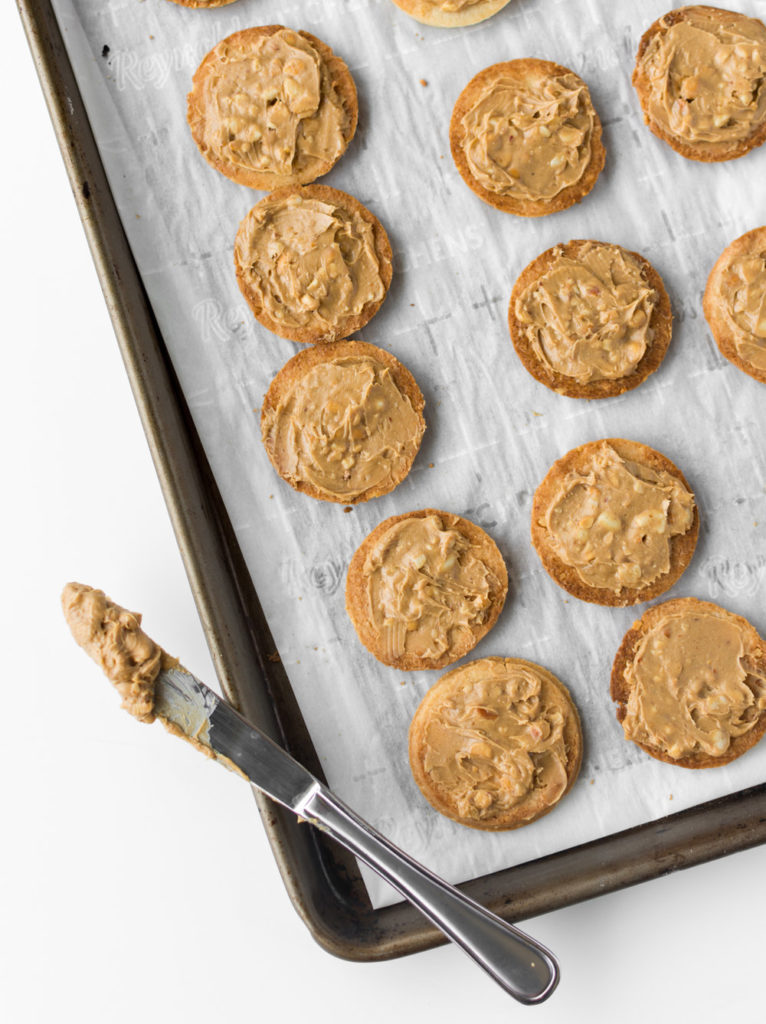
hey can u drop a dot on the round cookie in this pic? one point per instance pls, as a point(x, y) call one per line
point(735, 303)
point(423, 588)
point(575, 517)
point(700, 76)
point(709, 706)
point(333, 268)
point(586, 349)
point(450, 13)
point(343, 422)
point(541, 157)
point(287, 122)
point(496, 743)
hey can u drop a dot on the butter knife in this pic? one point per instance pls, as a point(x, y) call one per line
point(520, 965)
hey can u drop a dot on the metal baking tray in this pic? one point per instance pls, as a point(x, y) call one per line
point(322, 879)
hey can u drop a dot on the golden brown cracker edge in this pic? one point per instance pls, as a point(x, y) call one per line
point(620, 692)
point(509, 204)
point(711, 301)
point(573, 743)
point(712, 153)
point(681, 546)
point(429, 14)
point(350, 324)
point(357, 604)
point(661, 323)
point(268, 180)
point(299, 365)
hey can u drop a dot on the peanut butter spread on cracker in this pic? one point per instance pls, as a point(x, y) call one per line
point(706, 75)
point(425, 588)
point(308, 261)
point(345, 428)
point(530, 138)
point(692, 689)
point(494, 739)
point(613, 520)
point(587, 316)
point(270, 105)
point(113, 637)
point(743, 291)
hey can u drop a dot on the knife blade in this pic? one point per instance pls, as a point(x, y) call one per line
point(519, 964)
point(210, 722)
point(153, 685)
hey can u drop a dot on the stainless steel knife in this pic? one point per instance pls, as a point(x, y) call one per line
point(521, 966)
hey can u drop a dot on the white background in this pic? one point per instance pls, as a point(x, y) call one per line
point(136, 880)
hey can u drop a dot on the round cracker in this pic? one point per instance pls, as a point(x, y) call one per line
point(357, 603)
point(709, 152)
point(661, 322)
point(340, 77)
point(620, 688)
point(681, 545)
point(510, 204)
point(428, 14)
point(295, 370)
point(712, 302)
point(528, 810)
point(349, 324)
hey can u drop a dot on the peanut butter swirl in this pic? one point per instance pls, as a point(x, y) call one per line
point(490, 741)
point(426, 588)
point(345, 428)
point(308, 262)
point(113, 637)
point(529, 136)
point(705, 75)
point(588, 315)
point(612, 520)
point(267, 103)
point(693, 685)
point(743, 290)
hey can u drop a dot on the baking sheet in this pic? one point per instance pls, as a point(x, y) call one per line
point(492, 430)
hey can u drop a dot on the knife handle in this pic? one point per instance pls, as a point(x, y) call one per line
point(521, 966)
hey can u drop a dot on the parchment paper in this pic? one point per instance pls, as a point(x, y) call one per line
point(492, 430)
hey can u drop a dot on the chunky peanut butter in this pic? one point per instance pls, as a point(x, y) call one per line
point(529, 137)
point(692, 689)
point(494, 740)
point(132, 662)
point(345, 428)
point(706, 76)
point(270, 105)
point(113, 637)
point(308, 262)
point(426, 588)
point(587, 316)
point(743, 291)
point(612, 520)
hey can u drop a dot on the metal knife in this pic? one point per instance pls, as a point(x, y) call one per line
point(521, 966)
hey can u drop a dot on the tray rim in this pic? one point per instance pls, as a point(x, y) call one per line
point(321, 879)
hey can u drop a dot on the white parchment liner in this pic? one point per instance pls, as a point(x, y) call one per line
point(492, 430)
